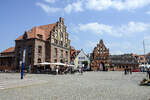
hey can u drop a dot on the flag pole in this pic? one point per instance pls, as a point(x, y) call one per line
point(144, 52)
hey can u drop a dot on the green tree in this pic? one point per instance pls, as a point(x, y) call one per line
point(85, 63)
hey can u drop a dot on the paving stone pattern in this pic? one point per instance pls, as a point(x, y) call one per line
point(89, 86)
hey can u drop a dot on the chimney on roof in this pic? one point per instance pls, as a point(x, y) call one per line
point(61, 20)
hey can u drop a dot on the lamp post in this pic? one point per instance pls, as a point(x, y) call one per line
point(23, 63)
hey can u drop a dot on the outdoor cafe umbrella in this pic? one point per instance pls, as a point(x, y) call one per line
point(58, 64)
point(44, 63)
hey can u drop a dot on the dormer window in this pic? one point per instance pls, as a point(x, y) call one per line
point(40, 36)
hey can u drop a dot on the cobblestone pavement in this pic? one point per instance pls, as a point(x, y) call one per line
point(89, 86)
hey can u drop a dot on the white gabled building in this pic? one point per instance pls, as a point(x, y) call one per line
point(80, 59)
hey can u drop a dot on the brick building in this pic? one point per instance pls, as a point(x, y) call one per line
point(120, 62)
point(73, 54)
point(46, 43)
point(100, 57)
point(7, 59)
point(142, 59)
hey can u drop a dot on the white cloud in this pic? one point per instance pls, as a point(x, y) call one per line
point(98, 4)
point(116, 4)
point(76, 6)
point(50, 1)
point(131, 28)
point(128, 30)
point(47, 8)
point(82, 5)
point(95, 28)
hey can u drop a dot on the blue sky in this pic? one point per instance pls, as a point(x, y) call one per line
point(122, 24)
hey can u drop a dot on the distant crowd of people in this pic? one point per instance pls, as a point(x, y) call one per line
point(63, 70)
point(127, 71)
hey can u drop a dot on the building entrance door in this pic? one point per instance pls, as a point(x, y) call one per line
point(103, 66)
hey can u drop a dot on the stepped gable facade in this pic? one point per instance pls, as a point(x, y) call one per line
point(46, 43)
point(100, 57)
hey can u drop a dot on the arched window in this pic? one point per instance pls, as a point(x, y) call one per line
point(39, 60)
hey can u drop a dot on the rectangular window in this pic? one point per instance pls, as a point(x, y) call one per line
point(66, 45)
point(55, 41)
point(61, 56)
point(82, 57)
point(66, 54)
point(39, 49)
point(40, 36)
point(55, 54)
point(61, 43)
point(19, 50)
point(30, 50)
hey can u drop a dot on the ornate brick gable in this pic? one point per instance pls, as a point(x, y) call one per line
point(100, 57)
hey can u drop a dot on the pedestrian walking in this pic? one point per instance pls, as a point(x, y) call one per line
point(130, 71)
point(80, 70)
point(29, 69)
point(125, 71)
point(57, 71)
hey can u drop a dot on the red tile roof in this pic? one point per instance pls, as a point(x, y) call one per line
point(11, 49)
point(43, 30)
point(73, 53)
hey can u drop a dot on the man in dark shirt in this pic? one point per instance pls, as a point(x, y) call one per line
point(148, 73)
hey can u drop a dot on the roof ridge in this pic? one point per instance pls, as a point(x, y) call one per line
point(10, 49)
